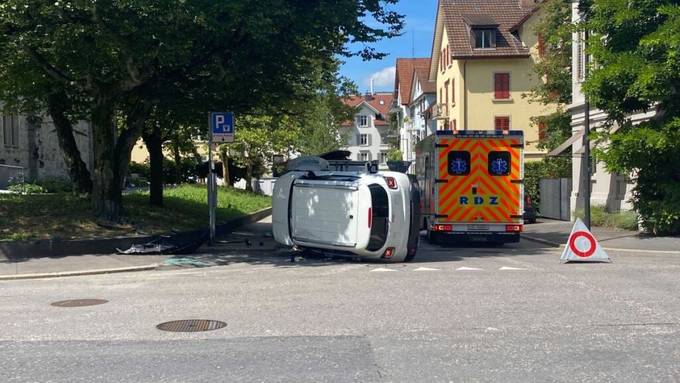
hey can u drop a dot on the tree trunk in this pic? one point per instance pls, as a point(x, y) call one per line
point(80, 175)
point(112, 155)
point(177, 156)
point(106, 187)
point(249, 176)
point(154, 144)
point(225, 168)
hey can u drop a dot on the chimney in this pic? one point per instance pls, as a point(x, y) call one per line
point(372, 79)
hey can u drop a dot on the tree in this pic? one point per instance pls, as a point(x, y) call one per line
point(636, 67)
point(113, 58)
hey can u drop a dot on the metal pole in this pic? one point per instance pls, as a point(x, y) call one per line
point(585, 168)
point(211, 184)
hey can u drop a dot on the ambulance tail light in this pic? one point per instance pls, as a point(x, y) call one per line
point(391, 182)
point(513, 228)
point(442, 228)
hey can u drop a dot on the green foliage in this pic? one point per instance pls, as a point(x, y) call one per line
point(599, 216)
point(394, 155)
point(554, 68)
point(43, 216)
point(26, 188)
point(56, 185)
point(637, 68)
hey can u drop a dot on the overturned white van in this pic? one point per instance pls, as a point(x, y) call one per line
point(355, 213)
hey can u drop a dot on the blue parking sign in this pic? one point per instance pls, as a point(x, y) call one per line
point(222, 126)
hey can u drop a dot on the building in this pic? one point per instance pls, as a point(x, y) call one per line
point(30, 148)
point(368, 134)
point(483, 56)
point(414, 94)
point(607, 189)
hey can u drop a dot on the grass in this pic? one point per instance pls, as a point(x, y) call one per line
point(626, 220)
point(44, 216)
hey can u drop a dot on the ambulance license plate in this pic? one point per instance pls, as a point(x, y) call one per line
point(478, 228)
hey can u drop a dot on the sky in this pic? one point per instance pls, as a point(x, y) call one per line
point(416, 41)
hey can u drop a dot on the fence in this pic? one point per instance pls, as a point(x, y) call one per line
point(9, 172)
point(555, 196)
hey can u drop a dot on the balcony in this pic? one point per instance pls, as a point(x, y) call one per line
point(440, 112)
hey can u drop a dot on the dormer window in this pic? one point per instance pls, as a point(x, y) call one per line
point(482, 31)
point(484, 38)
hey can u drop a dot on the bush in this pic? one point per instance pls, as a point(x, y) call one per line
point(56, 185)
point(26, 188)
point(626, 220)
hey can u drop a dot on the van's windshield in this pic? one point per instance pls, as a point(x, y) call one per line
point(380, 212)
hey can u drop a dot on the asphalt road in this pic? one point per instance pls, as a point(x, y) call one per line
point(511, 314)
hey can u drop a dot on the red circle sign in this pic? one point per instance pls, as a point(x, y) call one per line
point(586, 235)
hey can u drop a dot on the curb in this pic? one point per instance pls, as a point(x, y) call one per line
point(559, 245)
point(540, 240)
point(57, 248)
point(78, 273)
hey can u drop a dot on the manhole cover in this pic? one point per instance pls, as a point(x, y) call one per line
point(191, 325)
point(79, 302)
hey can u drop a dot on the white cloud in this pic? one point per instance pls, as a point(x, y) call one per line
point(383, 79)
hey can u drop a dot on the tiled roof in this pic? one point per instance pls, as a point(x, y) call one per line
point(507, 14)
point(423, 74)
point(380, 101)
point(404, 76)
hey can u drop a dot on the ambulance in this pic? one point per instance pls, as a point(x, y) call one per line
point(472, 185)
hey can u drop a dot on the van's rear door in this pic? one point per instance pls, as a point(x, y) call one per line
point(325, 212)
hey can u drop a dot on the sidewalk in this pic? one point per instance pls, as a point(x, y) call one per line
point(556, 233)
point(246, 244)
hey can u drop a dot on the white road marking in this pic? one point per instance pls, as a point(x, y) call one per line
point(382, 270)
point(469, 269)
point(426, 269)
point(511, 268)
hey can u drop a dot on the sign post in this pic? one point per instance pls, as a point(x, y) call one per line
point(221, 130)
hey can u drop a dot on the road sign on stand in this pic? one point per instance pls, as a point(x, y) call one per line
point(222, 126)
point(582, 246)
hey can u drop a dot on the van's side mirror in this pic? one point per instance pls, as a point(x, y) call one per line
point(399, 166)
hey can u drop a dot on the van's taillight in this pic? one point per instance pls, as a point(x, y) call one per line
point(513, 228)
point(389, 252)
point(391, 182)
point(442, 227)
point(370, 217)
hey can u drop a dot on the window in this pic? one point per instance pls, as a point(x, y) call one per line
point(363, 139)
point(502, 123)
point(485, 38)
point(453, 92)
point(501, 85)
point(499, 164)
point(364, 156)
point(446, 93)
point(10, 130)
point(363, 121)
point(383, 157)
point(459, 163)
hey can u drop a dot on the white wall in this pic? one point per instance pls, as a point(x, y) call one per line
point(374, 144)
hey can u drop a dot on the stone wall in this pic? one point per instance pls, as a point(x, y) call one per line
point(38, 150)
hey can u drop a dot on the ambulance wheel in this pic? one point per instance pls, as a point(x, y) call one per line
point(433, 237)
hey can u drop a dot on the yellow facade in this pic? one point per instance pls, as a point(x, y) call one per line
point(140, 154)
point(472, 104)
